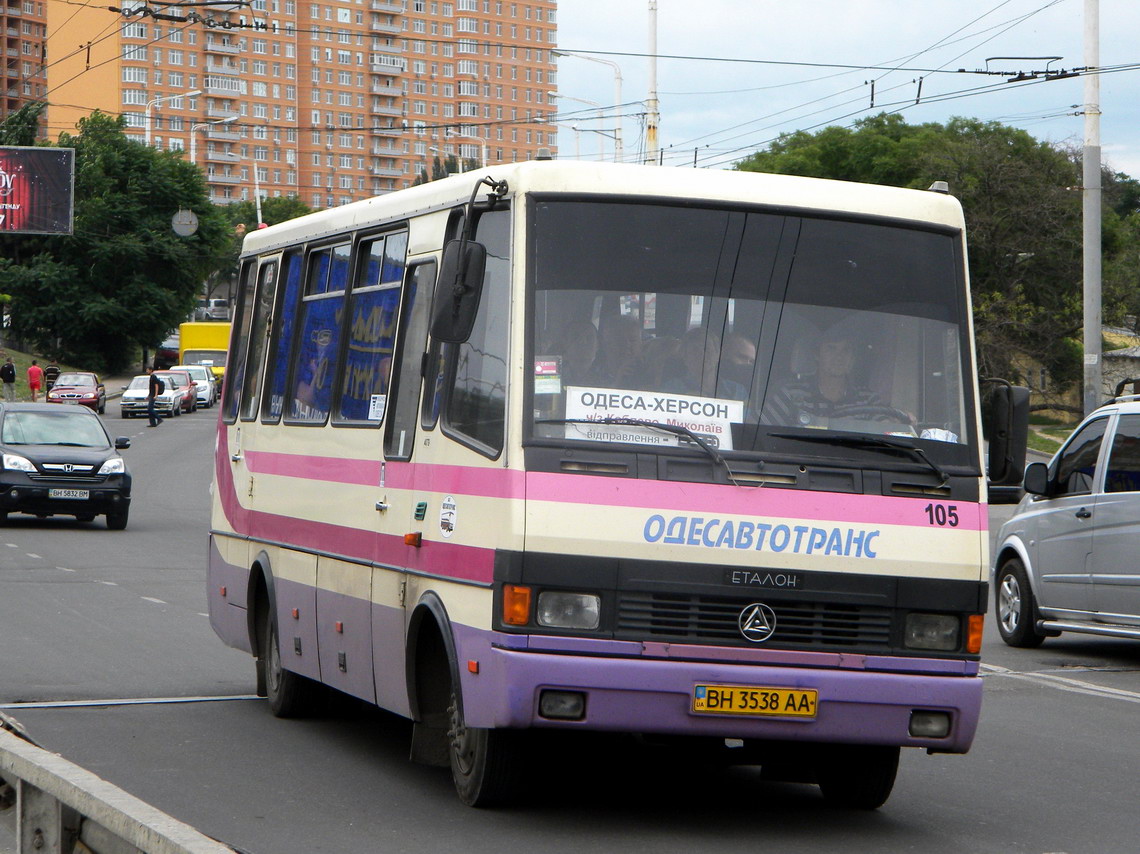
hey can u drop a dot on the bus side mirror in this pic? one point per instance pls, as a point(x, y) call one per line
point(457, 294)
point(1007, 429)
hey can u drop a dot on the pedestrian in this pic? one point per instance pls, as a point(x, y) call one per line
point(35, 380)
point(8, 376)
point(51, 374)
point(155, 388)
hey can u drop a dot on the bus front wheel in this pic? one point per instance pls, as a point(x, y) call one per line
point(857, 776)
point(485, 763)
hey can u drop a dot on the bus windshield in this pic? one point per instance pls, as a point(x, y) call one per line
point(752, 329)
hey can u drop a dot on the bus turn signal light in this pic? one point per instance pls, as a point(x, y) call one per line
point(413, 539)
point(974, 626)
point(516, 605)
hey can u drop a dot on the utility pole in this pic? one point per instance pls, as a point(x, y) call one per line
point(652, 118)
point(1091, 198)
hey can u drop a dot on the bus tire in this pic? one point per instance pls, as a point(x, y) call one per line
point(857, 776)
point(1016, 606)
point(484, 762)
point(289, 694)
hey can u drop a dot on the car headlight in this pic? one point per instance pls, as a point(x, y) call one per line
point(932, 631)
point(113, 466)
point(14, 462)
point(568, 610)
point(89, 395)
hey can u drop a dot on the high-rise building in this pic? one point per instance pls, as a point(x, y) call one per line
point(333, 101)
point(24, 25)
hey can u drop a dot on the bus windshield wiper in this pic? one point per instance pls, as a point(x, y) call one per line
point(882, 442)
point(675, 429)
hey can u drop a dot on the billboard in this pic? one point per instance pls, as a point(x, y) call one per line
point(37, 190)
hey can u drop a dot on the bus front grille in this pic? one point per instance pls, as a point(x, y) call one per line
point(683, 618)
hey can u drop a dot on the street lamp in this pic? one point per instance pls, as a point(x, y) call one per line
point(194, 135)
point(149, 104)
point(482, 145)
point(619, 151)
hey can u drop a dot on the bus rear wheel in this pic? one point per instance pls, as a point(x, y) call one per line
point(289, 694)
point(857, 776)
point(485, 763)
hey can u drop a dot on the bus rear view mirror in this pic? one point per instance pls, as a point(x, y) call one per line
point(457, 295)
point(1006, 427)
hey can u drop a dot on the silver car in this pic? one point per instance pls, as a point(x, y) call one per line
point(207, 384)
point(1067, 559)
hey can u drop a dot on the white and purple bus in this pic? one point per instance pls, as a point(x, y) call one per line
point(676, 453)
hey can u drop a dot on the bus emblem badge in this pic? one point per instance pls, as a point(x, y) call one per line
point(757, 622)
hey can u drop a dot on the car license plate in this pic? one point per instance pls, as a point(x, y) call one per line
point(81, 494)
point(753, 700)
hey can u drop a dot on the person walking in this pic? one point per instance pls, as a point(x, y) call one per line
point(51, 374)
point(35, 380)
point(154, 389)
point(8, 377)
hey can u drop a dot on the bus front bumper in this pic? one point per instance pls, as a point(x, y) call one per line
point(856, 705)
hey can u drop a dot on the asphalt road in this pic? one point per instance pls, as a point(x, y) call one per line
point(88, 615)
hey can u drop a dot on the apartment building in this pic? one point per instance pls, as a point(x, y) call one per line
point(333, 101)
point(24, 24)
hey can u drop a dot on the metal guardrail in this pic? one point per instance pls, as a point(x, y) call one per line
point(53, 806)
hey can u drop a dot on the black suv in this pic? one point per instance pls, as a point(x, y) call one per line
point(60, 460)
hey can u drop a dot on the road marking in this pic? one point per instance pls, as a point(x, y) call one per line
point(65, 569)
point(109, 583)
point(35, 557)
point(137, 701)
point(11, 545)
point(1062, 683)
point(155, 601)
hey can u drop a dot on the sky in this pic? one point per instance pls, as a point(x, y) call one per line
point(812, 64)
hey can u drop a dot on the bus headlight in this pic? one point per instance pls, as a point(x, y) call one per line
point(932, 631)
point(569, 610)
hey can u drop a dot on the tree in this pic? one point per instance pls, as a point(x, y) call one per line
point(124, 278)
point(1023, 219)
point(242, 217)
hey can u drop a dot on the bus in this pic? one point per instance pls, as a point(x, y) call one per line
point(204, 343)
point(683, 456)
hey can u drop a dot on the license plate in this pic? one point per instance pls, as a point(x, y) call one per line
point(752, 700)
point(81, 494)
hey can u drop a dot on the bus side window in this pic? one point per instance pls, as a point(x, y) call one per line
point(281, 337)
point(477, 398)
point(370, 329)
point(258, 332)
point(314, 363)
point(235, 370)
point(405, 392)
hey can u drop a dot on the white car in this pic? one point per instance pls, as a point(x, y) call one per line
point(133, 401)
point(207, 384)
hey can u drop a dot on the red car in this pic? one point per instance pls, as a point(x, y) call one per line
point(180, 381)
point(80, 387)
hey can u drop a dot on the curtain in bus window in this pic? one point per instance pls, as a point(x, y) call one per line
point(476, 406)
point(267, 279)
point(373, 313)
point(235, 371)
point(320, 325)
point(404, 395)
point(278, 368)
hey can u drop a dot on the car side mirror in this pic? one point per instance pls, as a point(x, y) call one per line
point(122, 443)
point(457, 294)
point(1037, 479)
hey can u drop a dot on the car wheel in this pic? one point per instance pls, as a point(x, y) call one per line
point(117, 519)
point(122, 414)
point(1016, 606)
point(857, 776)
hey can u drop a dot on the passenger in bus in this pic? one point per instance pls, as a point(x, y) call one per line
point(576, 344)
point(699, 369)
point(619, 345)
point(648, 371)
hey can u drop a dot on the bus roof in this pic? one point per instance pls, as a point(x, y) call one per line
point(629, 181)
